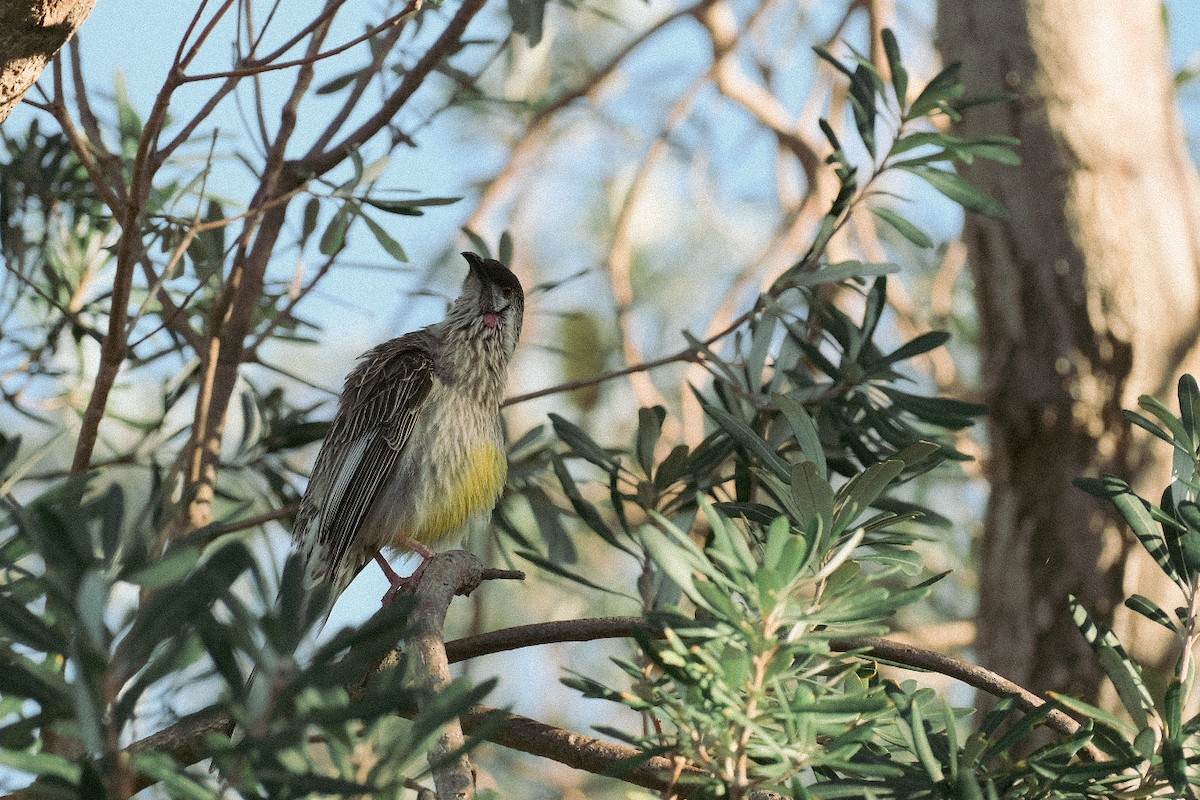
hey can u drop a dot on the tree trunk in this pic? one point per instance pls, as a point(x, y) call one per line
point(1088, 297)
point(30, 34)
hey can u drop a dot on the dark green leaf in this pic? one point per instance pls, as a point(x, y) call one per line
point(412, 207)
point(930, 340)
point(744, 435)
point(334, 237)
point(945, 86)
point(1121, 670)
point(902, 226)
point(385, 240)
point(1150, 610)
point(581, 444)
point(586, 511)
point(805, 431)
point(528, 18)
point(338, 83)
point(958, 190)
point(899, 74)
point(27, 628)
point(650, 422)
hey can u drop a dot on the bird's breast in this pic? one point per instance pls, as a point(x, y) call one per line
point(453, 475)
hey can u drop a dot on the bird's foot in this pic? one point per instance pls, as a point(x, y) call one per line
point(402, 585)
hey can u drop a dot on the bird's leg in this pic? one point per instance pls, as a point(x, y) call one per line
point(397, 582)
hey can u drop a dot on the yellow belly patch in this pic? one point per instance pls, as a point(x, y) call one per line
point(472, 487)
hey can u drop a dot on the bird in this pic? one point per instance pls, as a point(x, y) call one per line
point(415, 455)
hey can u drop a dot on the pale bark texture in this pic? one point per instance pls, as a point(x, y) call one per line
point(1088, 297)
point(30, 34)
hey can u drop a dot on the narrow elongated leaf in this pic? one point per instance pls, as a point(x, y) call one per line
point(393, 248)
point(921, 745)
point(958, 190)
point(1150, 610)
point(812, 494)
point(334, 237)
point(43, 764)
point(805, 431)
point(1121, 670)
point(930, 340)
point(864, 488)
point(903, 227)
point(945, 86)
point(1189, 406)
point(1164, 414)
point(843, 270)
point(744, 435)
point(27, 628)
point(899, 74)
point(650, 422)
point(581, 444)
point(1137, 419)
point(412, 207)
point(586, 511)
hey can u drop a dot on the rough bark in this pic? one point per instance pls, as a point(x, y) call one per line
point(30, 34)
point(1088, 296)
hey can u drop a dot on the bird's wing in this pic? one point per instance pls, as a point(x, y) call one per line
point(370, 430)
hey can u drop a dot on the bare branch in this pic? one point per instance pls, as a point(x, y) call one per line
point(259, 67)
point(321, 161)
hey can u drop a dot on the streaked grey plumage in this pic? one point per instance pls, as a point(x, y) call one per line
point(415, 452)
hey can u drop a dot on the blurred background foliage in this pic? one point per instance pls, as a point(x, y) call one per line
point(738, 411)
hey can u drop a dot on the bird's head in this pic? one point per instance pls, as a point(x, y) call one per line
point(492, 302)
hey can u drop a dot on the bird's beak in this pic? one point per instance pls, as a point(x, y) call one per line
point(475, 262)
point(492, 299)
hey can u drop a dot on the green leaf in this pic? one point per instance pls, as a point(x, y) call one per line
point(1164, 414)
point(42, 764)
point(862, 106)
point(958, 190)
point(1150, 610)
point(334, 237)
point(899, 74)
point(812, 494)
point(1137, 419)
point(171, 777)
point(1121, 670)
point(676, 556)
point(385, 240)
point(412, 207)
point(28, 628)
point(21, 678)
point(903, 227)
point(1136, 513)
point(650, 422)
point(921, 746)
point(586, 511)
point(672, 467)
point(581, 444)
point(743, 434)
point(1189, 406)
point(504, 250)
point(864, 488)
point(930, 340)
point(528, 19)
point(836, 64)
point(805, 431)
point(944, 87)
point(335, 85)
point(834, 273)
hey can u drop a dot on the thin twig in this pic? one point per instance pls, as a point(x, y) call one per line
point(259, 68)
